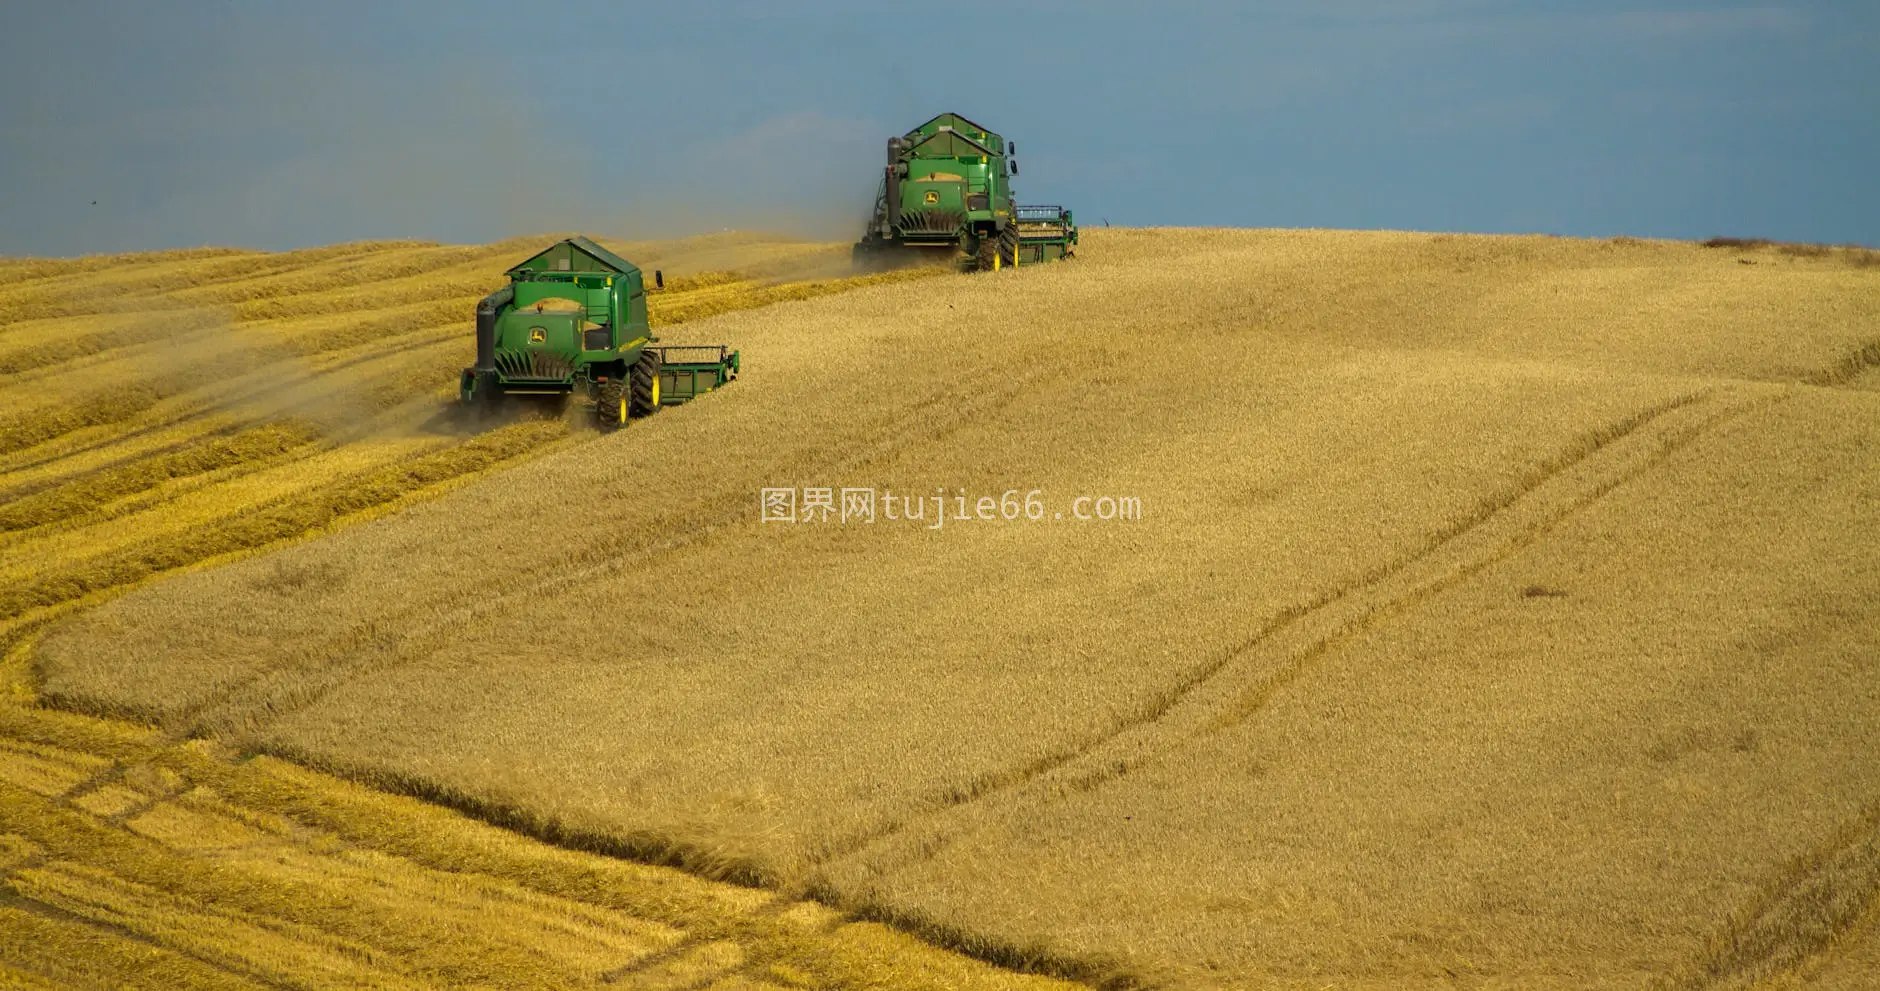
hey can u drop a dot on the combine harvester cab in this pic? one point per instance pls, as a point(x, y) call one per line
point(573, 320)
point(947, 190)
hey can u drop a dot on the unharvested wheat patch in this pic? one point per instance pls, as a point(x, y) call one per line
point(1490, 772)
point(1242, 678)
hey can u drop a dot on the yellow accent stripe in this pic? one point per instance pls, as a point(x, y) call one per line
point(636, 342)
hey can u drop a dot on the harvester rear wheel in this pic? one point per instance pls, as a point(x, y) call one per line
point(644, 391)
point(610, 410)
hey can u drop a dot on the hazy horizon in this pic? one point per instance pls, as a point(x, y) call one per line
point(268, 125)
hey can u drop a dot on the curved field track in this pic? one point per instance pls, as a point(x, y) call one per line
point(1501, 611)
point(168, 411)
point(132, 860)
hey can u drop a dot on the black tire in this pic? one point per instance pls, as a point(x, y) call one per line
point(610, 409)
point(988, 253)
point(643, 394)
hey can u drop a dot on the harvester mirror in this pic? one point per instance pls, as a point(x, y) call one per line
point(1015, 168)
point(1012, 149)
point(659, 279)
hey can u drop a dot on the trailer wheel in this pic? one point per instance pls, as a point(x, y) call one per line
point(644, 393)
point(610, 410)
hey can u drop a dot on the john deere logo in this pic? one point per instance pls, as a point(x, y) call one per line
point(933, 197)
point(537, 335)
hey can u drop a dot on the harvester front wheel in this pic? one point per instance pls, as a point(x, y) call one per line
point(610, 410)
point(988, 257)
point(644, 388)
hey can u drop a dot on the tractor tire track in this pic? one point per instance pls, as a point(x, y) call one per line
point(1237, 682)
point(1821, 900)
point(1851, 366)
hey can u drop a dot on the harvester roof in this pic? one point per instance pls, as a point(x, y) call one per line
point(949, 134)
point(951, 122)
point(575, 254)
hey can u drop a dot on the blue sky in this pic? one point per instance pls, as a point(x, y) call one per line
point(277, 125)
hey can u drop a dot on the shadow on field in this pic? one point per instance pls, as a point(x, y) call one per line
point(450, 418)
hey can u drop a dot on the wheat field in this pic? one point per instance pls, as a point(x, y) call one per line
point(1502, 611)
point(170, 411)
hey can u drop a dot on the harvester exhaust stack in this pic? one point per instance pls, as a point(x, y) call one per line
point(486, 337)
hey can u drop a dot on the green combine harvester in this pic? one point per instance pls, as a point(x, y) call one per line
point(947, 189)
point(573, 320)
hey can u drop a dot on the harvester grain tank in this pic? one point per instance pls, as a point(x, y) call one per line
point(947, 188)
point(572, 321)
